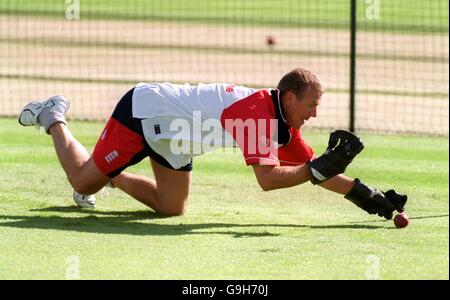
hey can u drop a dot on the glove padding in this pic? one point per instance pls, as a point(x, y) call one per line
point(374, 201)
point(398, 200)
point(343, 146)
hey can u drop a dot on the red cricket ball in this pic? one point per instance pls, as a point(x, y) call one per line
point(401, 220)
point(270, 40)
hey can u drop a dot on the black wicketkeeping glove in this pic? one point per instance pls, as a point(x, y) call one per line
point(374, 201)
point(343, 146)
point(398, 200)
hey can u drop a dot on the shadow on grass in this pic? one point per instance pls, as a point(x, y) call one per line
point(411, 218)
point(144, 223)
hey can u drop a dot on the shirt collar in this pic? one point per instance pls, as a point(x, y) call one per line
point(279, 109)
point(284, 135)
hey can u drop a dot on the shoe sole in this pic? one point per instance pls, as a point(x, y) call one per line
point(53, 104)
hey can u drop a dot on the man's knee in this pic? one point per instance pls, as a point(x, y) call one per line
point(172, 209)
point(88, 180)
point(83, 187)
point(171, 212)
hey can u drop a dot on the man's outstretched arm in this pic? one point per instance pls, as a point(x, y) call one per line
point(340, 184)
point(372, 200)
point(277, 177)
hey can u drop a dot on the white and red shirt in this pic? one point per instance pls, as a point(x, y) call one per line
point(182, 121)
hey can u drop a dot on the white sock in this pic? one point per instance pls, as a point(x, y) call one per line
point(49, 117)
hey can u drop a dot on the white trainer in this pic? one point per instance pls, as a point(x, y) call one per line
point(30, 113)
point(84, 201)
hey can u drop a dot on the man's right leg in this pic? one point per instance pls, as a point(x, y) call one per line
point(73, 157)
point(83, 174)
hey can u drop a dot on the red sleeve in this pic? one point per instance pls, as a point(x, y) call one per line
point(251, 123)
point(297, 152)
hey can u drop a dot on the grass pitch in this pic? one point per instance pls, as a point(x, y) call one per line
point(391, 15)
point(232, 229)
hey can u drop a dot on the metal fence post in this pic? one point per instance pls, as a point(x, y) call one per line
point(352, 63)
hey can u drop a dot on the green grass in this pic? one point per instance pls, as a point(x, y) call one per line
point(232, 230)
point(403, 15)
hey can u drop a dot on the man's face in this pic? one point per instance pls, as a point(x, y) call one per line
point(298, 111)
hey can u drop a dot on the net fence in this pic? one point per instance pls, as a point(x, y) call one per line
point(93, 51)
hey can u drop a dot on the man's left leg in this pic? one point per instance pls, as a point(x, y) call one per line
point(167, 194)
